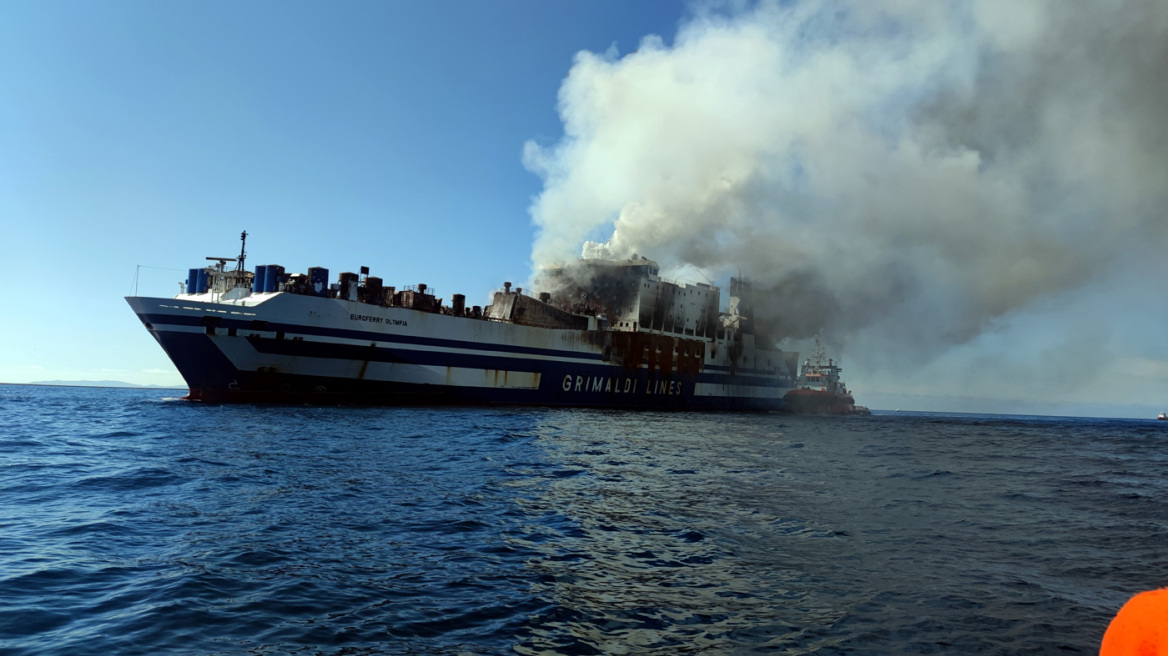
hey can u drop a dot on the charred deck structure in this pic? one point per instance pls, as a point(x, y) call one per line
point(604, 334)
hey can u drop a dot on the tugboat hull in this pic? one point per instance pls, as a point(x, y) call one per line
point(817, 402)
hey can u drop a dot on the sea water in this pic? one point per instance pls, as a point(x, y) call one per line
point(132, 522)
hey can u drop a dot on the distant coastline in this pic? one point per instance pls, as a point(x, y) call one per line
point(95, 383)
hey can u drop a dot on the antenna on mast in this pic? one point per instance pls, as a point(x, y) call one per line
point(242, 250)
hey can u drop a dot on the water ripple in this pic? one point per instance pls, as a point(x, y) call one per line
point(132, 523)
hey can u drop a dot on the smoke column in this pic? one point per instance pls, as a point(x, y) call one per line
point(905, 170)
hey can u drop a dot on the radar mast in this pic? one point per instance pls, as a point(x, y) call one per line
point(242, 251)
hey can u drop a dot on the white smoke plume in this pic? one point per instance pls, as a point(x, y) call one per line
point(908, 169)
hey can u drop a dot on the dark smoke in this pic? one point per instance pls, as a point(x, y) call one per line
point(903, 172)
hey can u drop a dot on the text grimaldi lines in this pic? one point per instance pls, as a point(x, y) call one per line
point(621, 385)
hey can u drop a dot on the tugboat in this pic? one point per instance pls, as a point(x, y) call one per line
point(1162, 416)
point(819, 390)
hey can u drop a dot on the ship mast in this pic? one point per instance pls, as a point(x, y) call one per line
point(818, 353)
point(242, 251)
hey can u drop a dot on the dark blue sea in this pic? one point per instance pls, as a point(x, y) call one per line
point(132, 522)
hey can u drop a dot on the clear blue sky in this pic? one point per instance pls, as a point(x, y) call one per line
point(393, 135)
point(387, 134)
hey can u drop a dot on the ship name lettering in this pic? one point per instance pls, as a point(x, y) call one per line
point(373, 319)
point(664, 387)
point(366, 317)
point(609, 384)
point(620, 385)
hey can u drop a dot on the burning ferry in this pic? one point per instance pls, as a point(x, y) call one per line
point(609, 334)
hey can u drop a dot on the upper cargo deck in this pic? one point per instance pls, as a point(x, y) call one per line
point(589, 294)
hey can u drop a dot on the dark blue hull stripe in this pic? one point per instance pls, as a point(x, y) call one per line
point(294, 389)
point(212, 377)
point(245, 326)
point(357, 353)
point(290, 328)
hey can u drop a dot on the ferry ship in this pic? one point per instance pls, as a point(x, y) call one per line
point(607, 334)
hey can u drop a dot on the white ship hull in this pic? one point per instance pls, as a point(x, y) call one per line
point(289, 347)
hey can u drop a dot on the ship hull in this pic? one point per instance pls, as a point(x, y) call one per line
point(819, 402)
point(297, 349)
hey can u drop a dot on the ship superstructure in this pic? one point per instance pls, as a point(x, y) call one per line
point(607, 334)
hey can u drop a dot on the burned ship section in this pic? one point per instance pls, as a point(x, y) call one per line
point(604, 333)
